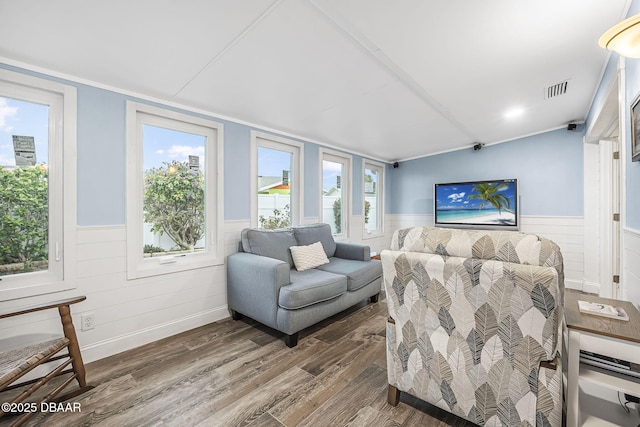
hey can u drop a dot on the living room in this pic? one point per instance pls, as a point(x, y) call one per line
point(99, 199)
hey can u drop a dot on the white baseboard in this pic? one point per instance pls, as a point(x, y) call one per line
point(115, 345)
point(591, 288)
point(575, 284)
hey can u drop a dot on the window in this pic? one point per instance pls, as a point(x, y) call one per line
point(37, 121)
point(335, 172)
point(373, 198)
point(276, 181)
point(174, 202)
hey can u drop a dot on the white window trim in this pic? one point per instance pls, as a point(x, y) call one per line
point(337, 157)
point(297, 191)
point(371, 164)
point(63, 189)
point(137, 265)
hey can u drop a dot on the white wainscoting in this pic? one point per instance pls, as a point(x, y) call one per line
point(130, 313)
point(567, 232)
point(630, 277)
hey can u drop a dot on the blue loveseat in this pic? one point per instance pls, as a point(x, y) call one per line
point(263, 283)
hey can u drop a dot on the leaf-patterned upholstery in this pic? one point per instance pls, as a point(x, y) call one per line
point(472, 316)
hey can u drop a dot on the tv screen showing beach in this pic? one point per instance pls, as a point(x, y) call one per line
point(480, 203)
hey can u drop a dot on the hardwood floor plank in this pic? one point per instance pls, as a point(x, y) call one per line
point(368, 416)
point(345, 404)
point(222, 329)
point(243, 380)
point(166, 348)
point(274, 366)
point(266, 420)
point(255, 404)
point(334, 330)
point(329, 357)
point(98, 404)
point(158, 383)
point(237, 372)
point(329, 383)
point(151, 411)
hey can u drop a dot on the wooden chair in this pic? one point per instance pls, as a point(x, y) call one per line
point(16, 363)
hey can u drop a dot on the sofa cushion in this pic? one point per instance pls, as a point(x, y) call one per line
point(308, 234)
point(269, 243)
point(307, 257)
point(359, 273)
point(311, 287)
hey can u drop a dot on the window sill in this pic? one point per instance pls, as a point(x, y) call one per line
point(18, 291)
point(160, 265)
point(370, 236)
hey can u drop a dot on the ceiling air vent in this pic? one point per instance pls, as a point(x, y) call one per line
point(556, 90)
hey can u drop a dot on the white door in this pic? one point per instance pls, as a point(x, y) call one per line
point(609, 218)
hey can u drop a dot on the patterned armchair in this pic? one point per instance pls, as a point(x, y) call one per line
point(475, 323)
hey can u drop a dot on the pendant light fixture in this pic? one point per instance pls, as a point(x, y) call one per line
point(624, 37)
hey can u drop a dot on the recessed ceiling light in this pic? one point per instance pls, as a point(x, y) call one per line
point(513, 113)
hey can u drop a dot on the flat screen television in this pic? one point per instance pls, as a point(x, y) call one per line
point(491, 204)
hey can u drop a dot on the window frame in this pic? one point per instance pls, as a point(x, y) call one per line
point(138, 115)
point(345, 184)
point(372, 164)
point(267, 140)
point(62, 150)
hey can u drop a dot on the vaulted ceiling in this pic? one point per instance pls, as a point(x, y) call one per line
point(388, 79)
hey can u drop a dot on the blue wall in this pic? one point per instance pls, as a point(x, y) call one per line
point(548, 166)
point(102, 160)
point(101, 150)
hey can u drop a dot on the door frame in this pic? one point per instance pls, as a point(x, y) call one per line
point(602, 196)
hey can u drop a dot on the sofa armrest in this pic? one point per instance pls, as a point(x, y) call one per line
point(253, 285)
point(353, 251)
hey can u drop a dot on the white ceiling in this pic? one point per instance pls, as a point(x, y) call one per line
point(388, 79)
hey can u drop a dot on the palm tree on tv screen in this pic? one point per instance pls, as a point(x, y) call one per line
point(490, 192)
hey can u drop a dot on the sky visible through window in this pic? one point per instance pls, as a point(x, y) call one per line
point(330, 173)
point(24, 119)
point(165, 145)
point(272, 162)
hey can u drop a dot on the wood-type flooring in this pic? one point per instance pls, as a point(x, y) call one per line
point(240, 373)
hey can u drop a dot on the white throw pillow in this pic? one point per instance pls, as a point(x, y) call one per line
point(307, 257)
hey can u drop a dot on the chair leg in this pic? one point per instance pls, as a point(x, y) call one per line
point(374, 298)
point(74, 349)
point(393, 396)
point(291, 340)
point(235, 315)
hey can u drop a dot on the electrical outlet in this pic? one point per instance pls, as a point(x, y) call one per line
point(88, 321)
